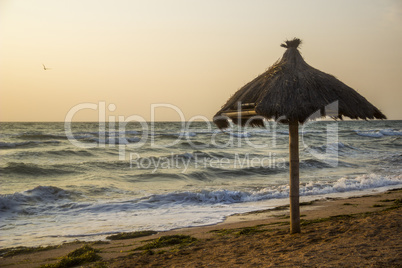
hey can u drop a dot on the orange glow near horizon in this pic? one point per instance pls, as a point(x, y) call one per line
point(190, 54)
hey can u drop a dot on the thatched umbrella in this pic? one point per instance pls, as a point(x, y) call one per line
point(291, 91)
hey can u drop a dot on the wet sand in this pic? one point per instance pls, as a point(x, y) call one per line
point(354, 232)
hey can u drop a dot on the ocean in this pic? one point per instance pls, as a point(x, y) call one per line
point(84, 181)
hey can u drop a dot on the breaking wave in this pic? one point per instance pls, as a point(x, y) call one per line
point(62, 199)
point(379, 133)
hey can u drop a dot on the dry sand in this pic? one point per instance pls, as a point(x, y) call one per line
point(367, 235)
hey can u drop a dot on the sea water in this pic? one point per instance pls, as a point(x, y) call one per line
point(60, 183)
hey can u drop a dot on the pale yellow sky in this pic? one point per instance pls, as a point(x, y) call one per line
point(190, 54)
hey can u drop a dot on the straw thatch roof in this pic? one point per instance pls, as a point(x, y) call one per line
point(293, 90)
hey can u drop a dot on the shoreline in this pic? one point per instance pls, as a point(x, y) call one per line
point(240, 239)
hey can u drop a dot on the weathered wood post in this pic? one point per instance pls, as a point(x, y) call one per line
point(294, 176)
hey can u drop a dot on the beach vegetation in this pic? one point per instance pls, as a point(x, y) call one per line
point(282, 216)
point(167, 241)
point(148, 252)
point(223, 231)
point(82, 255)
point(250, 230)
point(240, 231)
point(100, 242)
point(9, 252)
point(161, 252)
point(307, 222)
point(279, 223)
point(307, 203)
point(387, 200)
point(319, 220)
point(130, 235)
point(280, 208)
point(397, 204)
point(98, 264)
point(350, 204)
point(378, 205)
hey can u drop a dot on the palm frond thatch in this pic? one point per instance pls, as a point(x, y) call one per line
point(293, 90)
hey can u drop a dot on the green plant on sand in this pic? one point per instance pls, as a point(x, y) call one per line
point(130, 235)
point(9, 252)
point(240, 231)
point(84, 254)
point(168, 240)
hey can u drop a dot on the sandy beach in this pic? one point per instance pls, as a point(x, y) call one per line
point(353, 232)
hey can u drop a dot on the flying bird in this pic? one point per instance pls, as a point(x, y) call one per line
point(45, 68)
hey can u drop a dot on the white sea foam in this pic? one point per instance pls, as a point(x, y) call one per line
point(373, 134)
point(391, 132)
point(363, 182)
point(379, 133)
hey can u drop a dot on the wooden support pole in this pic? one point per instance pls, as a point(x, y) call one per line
point(294, 176)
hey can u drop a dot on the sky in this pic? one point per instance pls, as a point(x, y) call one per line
point(168, 60)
